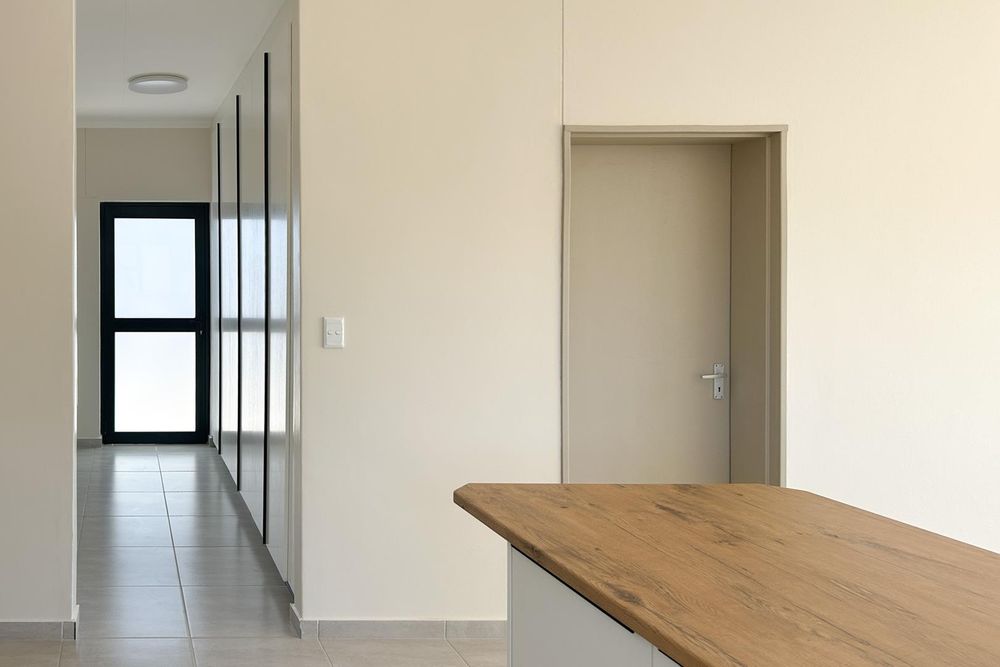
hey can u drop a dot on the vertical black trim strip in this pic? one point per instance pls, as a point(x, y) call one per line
point(107, 321)
point(218, 215)
point(267, 282)
point(203, 307)
point(239, 302)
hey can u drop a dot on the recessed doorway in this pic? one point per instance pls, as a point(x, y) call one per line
point(672, 305)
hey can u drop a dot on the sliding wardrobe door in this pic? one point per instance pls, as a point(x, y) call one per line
point(229, 361)
point(253, 290)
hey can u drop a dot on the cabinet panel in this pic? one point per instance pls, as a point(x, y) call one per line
point(551, 625)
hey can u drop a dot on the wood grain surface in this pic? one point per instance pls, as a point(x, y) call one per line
point(756, 575)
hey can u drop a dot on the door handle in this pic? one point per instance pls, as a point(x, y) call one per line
point(718, 377)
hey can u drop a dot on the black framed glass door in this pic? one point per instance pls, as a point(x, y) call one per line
point(154, 322)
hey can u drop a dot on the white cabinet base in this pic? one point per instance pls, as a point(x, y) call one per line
point(552, 626)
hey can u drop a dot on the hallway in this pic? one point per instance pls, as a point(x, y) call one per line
point(166, 549)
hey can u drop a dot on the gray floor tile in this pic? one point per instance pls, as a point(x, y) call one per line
point(270, 652)
point(26, 653)
point(226, 566)
point(125, 531)
point(187, 461)
point(126, 566)
point(238, 611)
point(124, 504)
point(198, 449)
point(130, 463)
point(482, 652)
point(198, 480)
point(344, 629)
point(137, 611)
point(125, 449)
point(204, 504)
point(127, 653)
point(392, 653)
point(214, 531)
point(108, 481)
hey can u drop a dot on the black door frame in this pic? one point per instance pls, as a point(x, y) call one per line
point(111, 324)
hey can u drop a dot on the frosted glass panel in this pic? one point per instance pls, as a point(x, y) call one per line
point(155, 381)
point(154, 267)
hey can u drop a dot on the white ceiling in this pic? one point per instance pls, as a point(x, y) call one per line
point(208, 41)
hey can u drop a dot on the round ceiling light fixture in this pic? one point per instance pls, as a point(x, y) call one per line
point(157, 84)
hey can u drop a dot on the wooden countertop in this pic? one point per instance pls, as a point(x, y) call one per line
point(756, 575)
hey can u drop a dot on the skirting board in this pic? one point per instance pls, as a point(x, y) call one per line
point(307, 629)
point(455, 629)
point(40, 630)
point(302, 628)
point(89, 443)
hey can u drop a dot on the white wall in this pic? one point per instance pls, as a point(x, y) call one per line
point(37, 365)
point(430, 139)
point(893, 220)
point(430, 219)
point(156, 164)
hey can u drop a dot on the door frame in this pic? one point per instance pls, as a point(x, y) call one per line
point(110, 324)
point(776, 283)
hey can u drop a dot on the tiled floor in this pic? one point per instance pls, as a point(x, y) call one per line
point(167, 549)
point(171, 573)
point(250, 652)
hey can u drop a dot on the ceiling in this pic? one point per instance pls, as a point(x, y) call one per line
point(208, 41)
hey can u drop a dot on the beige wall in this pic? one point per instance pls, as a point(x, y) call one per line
point(37, 381)
point(157, 164)
point(430, 185)
point(893, 230)
point(430, 138)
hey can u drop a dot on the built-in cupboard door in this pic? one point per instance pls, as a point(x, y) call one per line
point(253, 266)
point(254, 179)
point(278, 119)
point(229, 297)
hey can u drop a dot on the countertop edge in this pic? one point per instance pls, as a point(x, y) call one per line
point(582, 587)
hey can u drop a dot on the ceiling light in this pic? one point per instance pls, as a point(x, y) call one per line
point(157, 84)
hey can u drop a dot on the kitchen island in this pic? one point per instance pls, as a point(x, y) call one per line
point(657, 575)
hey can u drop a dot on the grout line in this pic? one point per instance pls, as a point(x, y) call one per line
point(457, 652)
point(173, 550)
point(323, 648)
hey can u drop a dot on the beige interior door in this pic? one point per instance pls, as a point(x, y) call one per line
point(646, 314)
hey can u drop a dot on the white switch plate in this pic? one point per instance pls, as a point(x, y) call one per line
point(333, 332)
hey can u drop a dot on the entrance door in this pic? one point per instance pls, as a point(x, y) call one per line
point(154, 317)
point(647, 314)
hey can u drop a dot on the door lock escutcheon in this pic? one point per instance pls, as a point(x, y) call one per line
point(718, 378)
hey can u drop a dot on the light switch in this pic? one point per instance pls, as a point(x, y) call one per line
point(333, 332)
